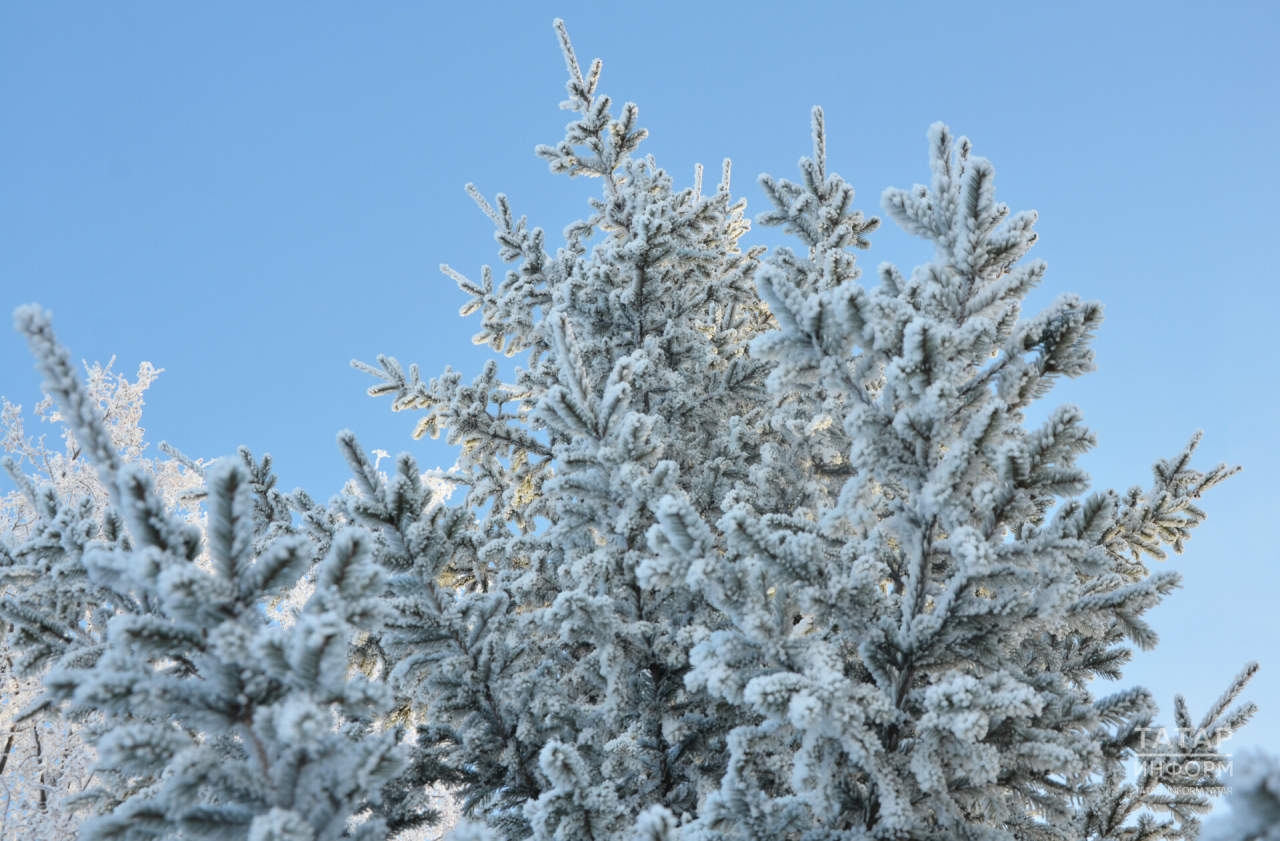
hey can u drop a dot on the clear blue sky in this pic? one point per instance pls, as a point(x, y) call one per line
point(249, 195)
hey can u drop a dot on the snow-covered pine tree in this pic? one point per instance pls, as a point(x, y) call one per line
point(552, 679)
point(48, 604)
point(211, 720)
point(857, 555)
point(787, 566)
point(914, 658)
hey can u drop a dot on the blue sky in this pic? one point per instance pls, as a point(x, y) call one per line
point(249, 195)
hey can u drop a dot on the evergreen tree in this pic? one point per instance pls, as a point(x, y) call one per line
point(917, 648)
point(48, 604)
point(870, 559)
point(553, 680)
point(214, 722)
point(748, 550)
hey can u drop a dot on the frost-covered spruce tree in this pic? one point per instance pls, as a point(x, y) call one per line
point(808, 532)
point(551, 675)
point(48, 604)
point(213, 721)
point(61, 502)
point(786, 565)
point(914, 654)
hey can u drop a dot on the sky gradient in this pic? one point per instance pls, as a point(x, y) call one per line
point(249, 195)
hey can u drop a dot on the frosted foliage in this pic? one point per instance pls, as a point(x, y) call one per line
point(286, 608)
point(44, 760)
point(42, 763)
point(59, 463)
point(551, 677)
point(442, 801)
point(79, 527)
point(921, 605)
point(771, 550)
point(1254, 801)
point(746, 549)
point(209, 720)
